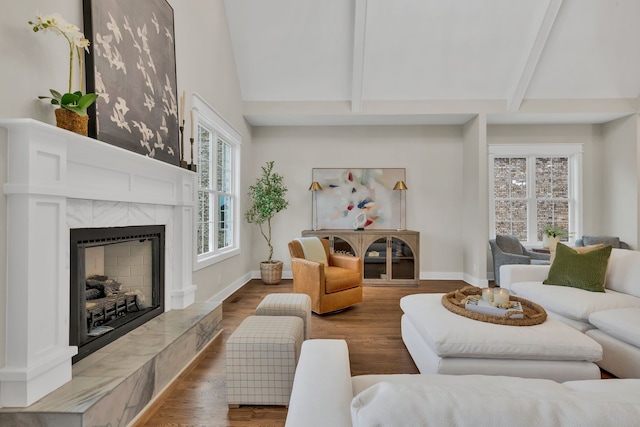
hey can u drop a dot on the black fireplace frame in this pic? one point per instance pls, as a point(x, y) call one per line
point(82, 236)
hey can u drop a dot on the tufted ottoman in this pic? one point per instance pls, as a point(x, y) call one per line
point(262, 354)
point(442, 342)
point(288, 305)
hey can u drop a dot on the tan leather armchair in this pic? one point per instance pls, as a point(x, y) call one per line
point(331, 288)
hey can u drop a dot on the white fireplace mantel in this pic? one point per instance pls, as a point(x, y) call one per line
point(58, 180)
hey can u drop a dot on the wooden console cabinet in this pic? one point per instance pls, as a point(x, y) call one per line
point(389, 257)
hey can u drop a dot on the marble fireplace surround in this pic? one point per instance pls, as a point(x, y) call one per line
point(56, 181)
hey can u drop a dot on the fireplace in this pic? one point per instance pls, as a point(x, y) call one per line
point(58, 181)
point(116, 283)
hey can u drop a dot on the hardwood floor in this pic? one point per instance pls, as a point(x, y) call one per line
point(371, 329)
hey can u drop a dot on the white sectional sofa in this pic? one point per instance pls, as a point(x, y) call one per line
point(611, 318)
point(325, 394)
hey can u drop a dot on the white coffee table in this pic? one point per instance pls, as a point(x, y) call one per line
point(440, 341)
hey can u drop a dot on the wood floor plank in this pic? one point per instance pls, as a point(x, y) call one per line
point(371, 329)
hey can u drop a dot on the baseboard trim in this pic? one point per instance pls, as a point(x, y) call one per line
point(231, 288)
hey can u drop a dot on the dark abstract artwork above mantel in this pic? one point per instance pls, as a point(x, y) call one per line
point(132, 66)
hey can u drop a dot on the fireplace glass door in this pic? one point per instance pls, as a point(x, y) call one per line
point(117, 277)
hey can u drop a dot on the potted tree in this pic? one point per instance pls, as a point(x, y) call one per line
point(551, 236)
point(267, 199)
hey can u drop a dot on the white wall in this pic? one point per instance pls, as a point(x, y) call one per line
point(206, 66)
point(619, 204)
point(432, 156)
point(475, 212)
point(33, 63)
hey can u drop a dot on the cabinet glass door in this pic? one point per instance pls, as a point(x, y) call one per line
point(402, 260)
point(375, 260)
point(341, 246)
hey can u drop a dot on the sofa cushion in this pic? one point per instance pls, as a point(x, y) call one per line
point(451, 335)
point(510, 403)
point(572, 303)
point(362, 382)
point(509, 244)
point(579, 270)
point(624, 271)
point(339, 279)
point(623, 324)
point(627, 386)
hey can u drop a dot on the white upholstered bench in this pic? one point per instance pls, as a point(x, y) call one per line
point(261, 357)
point(442, 342)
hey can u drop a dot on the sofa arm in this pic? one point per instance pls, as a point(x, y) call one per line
point(507, 258)
point(514, 273)
point(537, 255)
point(322, 390)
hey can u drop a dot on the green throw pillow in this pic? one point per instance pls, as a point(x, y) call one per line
point(579, 270)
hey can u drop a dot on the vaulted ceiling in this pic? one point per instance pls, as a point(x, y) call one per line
point(320, 62)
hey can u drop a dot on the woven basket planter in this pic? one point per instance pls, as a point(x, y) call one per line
point(271, 272)
point(67, 119)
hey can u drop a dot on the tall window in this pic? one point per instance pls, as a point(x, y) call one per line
point(532, 189)
point(218, 151)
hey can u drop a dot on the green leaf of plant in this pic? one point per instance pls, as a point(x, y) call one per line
point(88, 99)
point(78, 111)
point(55, 93)
point(69, 99)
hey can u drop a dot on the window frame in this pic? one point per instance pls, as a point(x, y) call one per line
point(573, 152)
point(204, 115)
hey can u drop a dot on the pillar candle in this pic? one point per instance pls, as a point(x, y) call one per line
point(191, 115)
point(181, 112)
point(487, 294)
point(501, 296)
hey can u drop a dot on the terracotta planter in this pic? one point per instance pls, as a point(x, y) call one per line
point(67, 119)
point(271, 272)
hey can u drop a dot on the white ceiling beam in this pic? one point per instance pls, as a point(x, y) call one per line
point(515, 100)
point(359, 33)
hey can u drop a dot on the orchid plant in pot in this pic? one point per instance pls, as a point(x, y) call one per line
point(73, 104)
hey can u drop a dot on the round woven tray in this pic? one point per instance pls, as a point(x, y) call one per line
point(454, 302)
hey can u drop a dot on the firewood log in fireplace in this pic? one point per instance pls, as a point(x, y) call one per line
point(106, 301)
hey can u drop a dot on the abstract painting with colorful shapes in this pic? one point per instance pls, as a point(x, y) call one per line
point(358, 198)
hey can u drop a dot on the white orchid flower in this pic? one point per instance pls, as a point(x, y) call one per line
point(73, 101)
